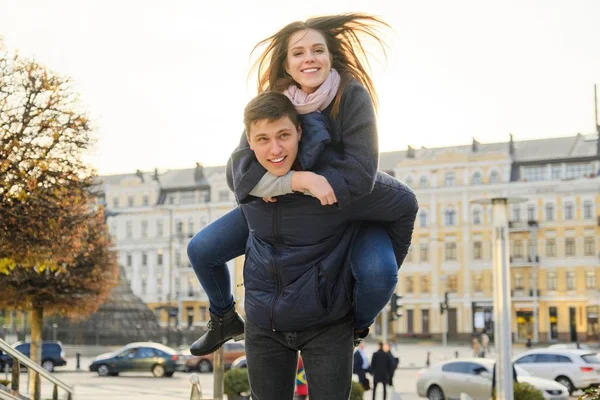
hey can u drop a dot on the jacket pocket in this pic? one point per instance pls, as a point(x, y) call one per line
point(323, 291)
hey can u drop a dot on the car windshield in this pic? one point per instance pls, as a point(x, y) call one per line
point(521, 371)
point(591, 358)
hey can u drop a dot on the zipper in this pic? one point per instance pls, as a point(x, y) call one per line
point(276, 252)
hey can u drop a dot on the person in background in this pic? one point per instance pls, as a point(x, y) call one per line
point(382, 368)
point(476, 347)
point(361, 366)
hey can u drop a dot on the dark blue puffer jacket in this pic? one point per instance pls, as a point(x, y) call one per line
point(296, 272)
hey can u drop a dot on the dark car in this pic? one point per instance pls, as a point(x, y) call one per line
point(231, 351)
point(53, 355)
point(143, 356)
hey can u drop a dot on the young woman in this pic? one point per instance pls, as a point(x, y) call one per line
point(318, 65)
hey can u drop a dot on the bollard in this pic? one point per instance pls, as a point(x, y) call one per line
point(456, 354)
point(218, 368)
point(196, 391)
point(78, 356)
point(428, 363)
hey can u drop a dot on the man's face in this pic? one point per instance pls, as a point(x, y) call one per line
point(275, 144)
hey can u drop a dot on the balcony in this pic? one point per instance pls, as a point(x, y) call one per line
point(522, 226)
point(521, 261)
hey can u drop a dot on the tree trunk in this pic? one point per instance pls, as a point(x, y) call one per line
point(37, 321)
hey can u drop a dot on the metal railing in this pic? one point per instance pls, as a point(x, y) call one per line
point(19, 359)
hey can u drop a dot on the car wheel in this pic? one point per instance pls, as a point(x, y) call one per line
point(103, 370)
point(48, 365)
point(435, 393)
point(204, 366)
point(566, 382)
point(158, 371)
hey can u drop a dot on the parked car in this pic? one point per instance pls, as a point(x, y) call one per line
point(142, 356)
point(562, 346)
point(231, 351)
point(239, 362)
point(575, 369)
point(473, 376)
point(53, 355)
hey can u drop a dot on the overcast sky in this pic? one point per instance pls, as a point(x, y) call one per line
point(165, 82)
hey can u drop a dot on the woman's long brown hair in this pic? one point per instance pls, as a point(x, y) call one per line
point(344, 35)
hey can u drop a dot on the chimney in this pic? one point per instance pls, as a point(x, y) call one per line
point(475, 146)
point(511, 145)
point(410, 153)
point(155, 175)
point(140, 175)
point(199, 172)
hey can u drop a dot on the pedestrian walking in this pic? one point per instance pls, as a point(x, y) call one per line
point(382, 368)
point(361, 366)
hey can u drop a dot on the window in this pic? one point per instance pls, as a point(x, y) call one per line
point(476, 180)
point(450, 217)
point(556, 172)
point(519, 281)
point(477, 250)
point(423, 183)
point(159, 284)
point(456, 367)
point(144, 285)
point(495, 177)
point(569, 247)
point(549, 212)
point(159, 258)
point(190, 226)
point(589, 246)
point(424, 284)
point(160, 228)
point(128, 260)
point(146, 200)
point(551, 281)
point(590, 280)
point(516, 214)
point(570, 280)
point(450, 179)
point(190, 287)
point(408, 284)
point(205, 196)
point(130, 201)
point(113, 230)
point(450, 251)
point(477, 216)
point(177, 257)
point(409, 255)
point(115, 202)
point(478, 283)
point(575, 171)
point(223, 195)
point(531, 213)
point(588, 210)
point(144, 259)
point(424, 252)
point(569, 214)
point(178, 227)
point(144, 229)
point(452, 285)
point(534, 173)
point(530, 359)
point(129, 229)
point(188, 197)
point(423, 219)
point(550, 247)
point(517, 249)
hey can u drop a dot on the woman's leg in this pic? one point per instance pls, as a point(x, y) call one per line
point(375, 272)
point(271, 364)
point(209, 250)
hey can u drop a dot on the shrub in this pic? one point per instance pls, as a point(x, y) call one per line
point(590, 394)
point(235, 382)
point(357, 391)
point(524, 391)
point(4, 382)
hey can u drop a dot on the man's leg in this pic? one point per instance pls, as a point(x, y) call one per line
point(271, 364)
point(328, 354)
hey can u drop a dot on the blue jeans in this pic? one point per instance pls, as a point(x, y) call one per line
point(326, 352)
point(372, 261)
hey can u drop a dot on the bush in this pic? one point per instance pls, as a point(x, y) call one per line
point(524, 391)
point(357, 391)
point(590, 394)
point(4, 382)
point(235, 382)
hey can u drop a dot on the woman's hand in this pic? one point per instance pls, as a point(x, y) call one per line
point(317, 185)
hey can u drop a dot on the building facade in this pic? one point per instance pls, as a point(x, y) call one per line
point(554, 247)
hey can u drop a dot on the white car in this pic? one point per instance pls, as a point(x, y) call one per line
point(562, 346)
point(575, 369)
point(473, 376)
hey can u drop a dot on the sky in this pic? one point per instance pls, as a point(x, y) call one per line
point(165, 82)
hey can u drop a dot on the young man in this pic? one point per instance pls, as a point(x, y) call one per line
point(297, 275)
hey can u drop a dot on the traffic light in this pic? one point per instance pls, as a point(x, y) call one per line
point(444, 305)
point(395, 305)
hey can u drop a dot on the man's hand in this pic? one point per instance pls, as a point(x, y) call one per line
point(269, 199)
point(317, 185)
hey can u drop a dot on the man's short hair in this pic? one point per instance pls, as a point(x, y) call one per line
point(270, 106)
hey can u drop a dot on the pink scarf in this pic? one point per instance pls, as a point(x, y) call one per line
point(319, 100)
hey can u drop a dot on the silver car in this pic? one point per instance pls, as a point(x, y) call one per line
point(473, 376)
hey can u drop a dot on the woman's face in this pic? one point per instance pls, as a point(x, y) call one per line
point(308, 59)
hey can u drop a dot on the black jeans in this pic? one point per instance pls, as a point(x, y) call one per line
point(327, 353)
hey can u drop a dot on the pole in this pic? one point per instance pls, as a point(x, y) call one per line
point(502, 300)
point(171, 263)
point(445, 328)
point(384, 324)
point(534, 285)
point(218, 369)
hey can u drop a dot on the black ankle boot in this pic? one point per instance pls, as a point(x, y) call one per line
point(220, 330)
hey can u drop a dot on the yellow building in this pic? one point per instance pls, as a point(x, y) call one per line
point(554, 260)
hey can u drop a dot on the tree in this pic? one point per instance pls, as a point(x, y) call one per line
point(54, 248)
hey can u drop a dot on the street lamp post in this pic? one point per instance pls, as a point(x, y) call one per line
point(54, 328)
